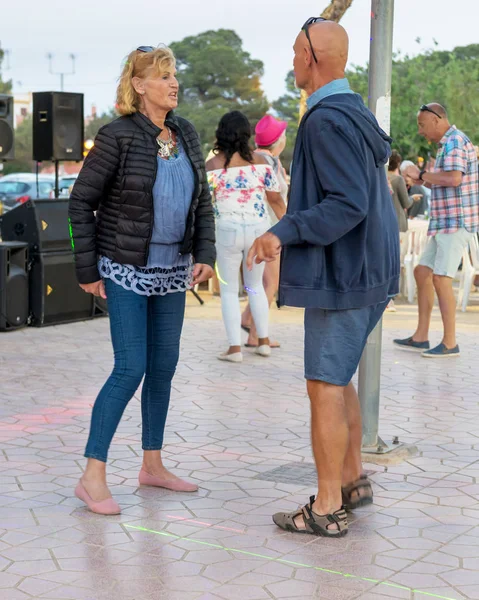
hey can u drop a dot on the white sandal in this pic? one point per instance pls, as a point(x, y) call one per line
point(236, 357)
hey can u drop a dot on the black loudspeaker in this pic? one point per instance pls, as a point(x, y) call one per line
point(43, 224)
point(55, 296)
point(13, 285)
point(6, 128)
point(54, 293)
point(57, 126)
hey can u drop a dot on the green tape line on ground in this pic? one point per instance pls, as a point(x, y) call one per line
point(288, 562)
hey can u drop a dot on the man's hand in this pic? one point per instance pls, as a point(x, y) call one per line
point(417, 197)
point(265, 249)
point(413, 172)
point(201, 273)
point(97, 288)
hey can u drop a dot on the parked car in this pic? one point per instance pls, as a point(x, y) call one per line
point(18, 188)
point(65, 185)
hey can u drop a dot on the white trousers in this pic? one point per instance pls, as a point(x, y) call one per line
point(233, 241)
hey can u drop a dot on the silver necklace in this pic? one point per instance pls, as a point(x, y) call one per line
point(166, 148)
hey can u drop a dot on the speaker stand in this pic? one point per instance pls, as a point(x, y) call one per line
point(57, 191)
point(197, 296)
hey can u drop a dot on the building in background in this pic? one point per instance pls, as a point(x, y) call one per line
point(22, 107)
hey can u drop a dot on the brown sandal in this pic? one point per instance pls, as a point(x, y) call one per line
point(357, 494)
point(314, 524)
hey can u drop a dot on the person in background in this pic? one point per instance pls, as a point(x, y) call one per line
point(143, 233)
point(401, 201)
point(270, 139)
point(419, 193)
point(242, 184)
point(454, 219)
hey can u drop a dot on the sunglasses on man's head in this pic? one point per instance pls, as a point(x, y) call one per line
point(305, 28)
point(145, 49)
point(425, 108)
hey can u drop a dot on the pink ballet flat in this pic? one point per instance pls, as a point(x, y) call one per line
point(105, 507)
point(176, 485)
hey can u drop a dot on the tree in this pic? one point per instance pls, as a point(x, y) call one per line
point(5, 86)
point(287, 109)
point(216, 76)
point(95, 124)
point(450, 78)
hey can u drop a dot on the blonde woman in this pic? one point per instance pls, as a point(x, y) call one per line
point(143, 233)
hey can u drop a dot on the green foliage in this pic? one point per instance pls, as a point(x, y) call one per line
point(216, 76)
point(450, 78)
point(5, 86)
point(92, 128)
point(287, 108)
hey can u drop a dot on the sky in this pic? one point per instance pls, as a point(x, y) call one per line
point(102, 32)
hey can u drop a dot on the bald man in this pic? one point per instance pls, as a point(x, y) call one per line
point(454, 218)
point(340, 261)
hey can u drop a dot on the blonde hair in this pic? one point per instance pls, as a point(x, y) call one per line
point(141, 64)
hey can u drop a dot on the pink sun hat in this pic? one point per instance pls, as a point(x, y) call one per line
point(269, 130)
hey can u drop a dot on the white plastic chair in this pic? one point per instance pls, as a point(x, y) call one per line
point(470, 268)
point(210, 286)
point(416, 241)
point(409, 268)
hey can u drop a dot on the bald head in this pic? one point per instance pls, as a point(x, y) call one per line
point(438, 109)
point(329, 46)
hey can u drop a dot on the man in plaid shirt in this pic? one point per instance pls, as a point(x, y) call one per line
point(454, 219)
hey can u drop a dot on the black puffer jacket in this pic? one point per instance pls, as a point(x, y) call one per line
point(117, 181)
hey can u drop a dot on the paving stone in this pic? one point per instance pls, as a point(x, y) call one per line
point(242, 431)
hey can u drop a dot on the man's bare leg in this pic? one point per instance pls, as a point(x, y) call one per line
point(353, 467)
point(330, 439)
point(447, 306)
point(425, 296)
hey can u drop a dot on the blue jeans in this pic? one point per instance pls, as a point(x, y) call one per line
point(145, 333)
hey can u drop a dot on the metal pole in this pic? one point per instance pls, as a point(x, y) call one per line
point(380, 70)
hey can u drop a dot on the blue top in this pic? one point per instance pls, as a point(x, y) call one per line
point(172, 194)
point(166, 270)
point(337, 86)
point(340, 233)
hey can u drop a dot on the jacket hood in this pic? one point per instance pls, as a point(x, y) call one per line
point(352, 106)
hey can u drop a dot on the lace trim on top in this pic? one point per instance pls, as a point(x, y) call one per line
point(154, 281)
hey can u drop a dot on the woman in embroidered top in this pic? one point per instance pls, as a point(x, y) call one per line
point(270, 139)
point(242, 185)
point(143, 233)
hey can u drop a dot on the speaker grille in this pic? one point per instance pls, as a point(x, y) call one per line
point(6, 139)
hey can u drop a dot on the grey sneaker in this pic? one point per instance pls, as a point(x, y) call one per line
point(410, 345)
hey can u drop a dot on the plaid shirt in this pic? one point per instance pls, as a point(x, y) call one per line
point(454, 208)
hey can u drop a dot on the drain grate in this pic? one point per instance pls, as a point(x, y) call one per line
point(296, 473)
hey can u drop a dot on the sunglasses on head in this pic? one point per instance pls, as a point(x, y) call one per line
point(425, 108)
point(145, 49)
point(305, 28)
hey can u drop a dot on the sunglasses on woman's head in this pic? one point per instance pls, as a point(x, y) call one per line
point(145, 49)
point(425, 108)
point(305, 28)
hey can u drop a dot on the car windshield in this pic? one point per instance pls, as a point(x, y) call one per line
point(67, 182)
point(13, 187)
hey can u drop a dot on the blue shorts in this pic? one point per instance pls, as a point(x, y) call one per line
point(334, 341)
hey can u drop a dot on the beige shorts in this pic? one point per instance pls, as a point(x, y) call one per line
point(443, 252)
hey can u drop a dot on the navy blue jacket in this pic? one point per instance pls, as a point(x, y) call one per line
point(340, 235)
